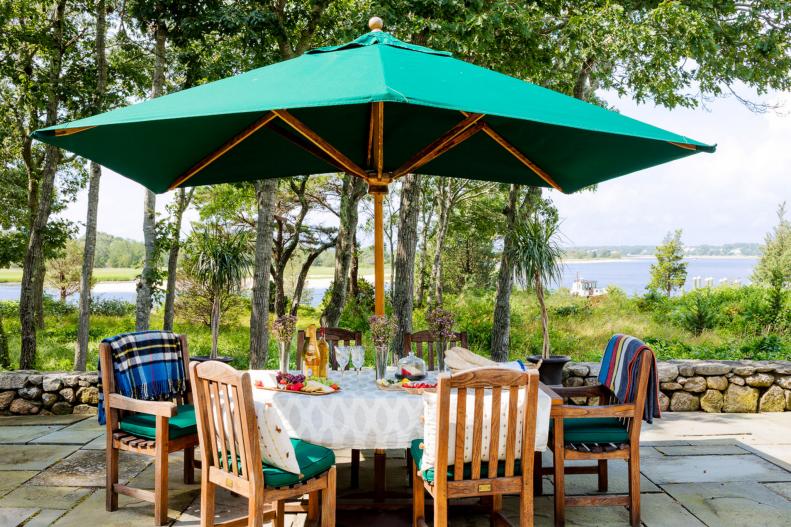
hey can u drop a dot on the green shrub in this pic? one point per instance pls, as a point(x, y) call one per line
point(767, 347)
point(698, 311)
point(111, 307)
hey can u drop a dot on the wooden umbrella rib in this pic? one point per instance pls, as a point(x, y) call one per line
point(432, 150)
point(61, 132)
point(347, 164)
point(305, 145)
point(225, 148)
point(511, 149)
point(685, 146)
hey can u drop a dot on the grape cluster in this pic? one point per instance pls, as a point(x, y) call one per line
point(290, 378)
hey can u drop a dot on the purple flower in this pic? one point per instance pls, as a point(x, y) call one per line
point(440, 322)
point(382, 329)
point(283, 328)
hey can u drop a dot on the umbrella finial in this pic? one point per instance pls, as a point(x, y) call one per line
point(375, 23)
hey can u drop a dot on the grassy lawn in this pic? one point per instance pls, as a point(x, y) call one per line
point(101, 274)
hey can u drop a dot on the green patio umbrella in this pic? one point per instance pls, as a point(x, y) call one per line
point(377, 108)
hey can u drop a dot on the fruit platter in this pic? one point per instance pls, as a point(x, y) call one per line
point(297, 383)
point(389, 384)
point(418, 387)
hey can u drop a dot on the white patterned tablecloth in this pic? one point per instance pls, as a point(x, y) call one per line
point(362, 416)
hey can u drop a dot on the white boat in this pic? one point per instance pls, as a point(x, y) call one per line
point(586, 288)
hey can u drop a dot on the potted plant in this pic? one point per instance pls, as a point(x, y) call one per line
point(537, 263)
point(282, 331)
point(218, 258)
point(382, 329)
point(440, 322)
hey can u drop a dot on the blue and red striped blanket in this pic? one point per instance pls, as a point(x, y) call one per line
point(620, 368)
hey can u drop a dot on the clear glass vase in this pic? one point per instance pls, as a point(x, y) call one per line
point(381, 361)
point(441, 348)
point(284, 356)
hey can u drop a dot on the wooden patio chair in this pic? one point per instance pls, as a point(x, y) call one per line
point(481, 477)
point(151, 428)
point(337, 337)
point(599, 433)
point(426, 338)
point(231, 455)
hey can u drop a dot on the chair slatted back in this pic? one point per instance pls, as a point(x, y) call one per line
point(502, 383)
point(635, 423)
point(227, 427)
point(334, 337)
point(426, 339)
point(108, 374)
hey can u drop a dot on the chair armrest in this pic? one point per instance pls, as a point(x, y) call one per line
point(161, 408)
point(612, 410)
point(580, 391)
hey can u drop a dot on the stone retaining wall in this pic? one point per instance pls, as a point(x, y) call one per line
point(46, 393)
point(710, 386)
point(686, 386)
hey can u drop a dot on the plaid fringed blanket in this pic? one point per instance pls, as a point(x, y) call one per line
point(620, 368)
point(148, 365)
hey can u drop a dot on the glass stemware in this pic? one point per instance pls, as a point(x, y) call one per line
point(342, 355)
point(358, 358)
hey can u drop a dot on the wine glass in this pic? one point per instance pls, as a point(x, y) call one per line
point(358, 358)
point(342, 354)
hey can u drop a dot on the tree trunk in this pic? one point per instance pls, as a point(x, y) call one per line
point(183, 200)
point(353, 190)
point(404, 285)
point(259, 318)
point(428, 213)
point(34, 255)
point(544, 318)
point(354, 272)
point(89, 251)
point(146, 284)
point(215, 323)
point(280, 290)
point(38, 291)
point(445, 197)
point(501, 324)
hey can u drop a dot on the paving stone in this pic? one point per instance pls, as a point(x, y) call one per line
point(100, 443)
point(33, 457)
point(575, 516)
point(86, 468)
point(23, 434)
point(618, 479)
point(733, 504)
point(131, 511)
point(40, 420)
point(68, 437)
point(52, 497)
point(718, 468)
point(784, 489)
point(660, 510)
point(45, 518)
point(701, 450)
point(145, 480)
point(10, 479)
point(14, 517)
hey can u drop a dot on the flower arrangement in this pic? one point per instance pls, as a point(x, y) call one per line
point(283, 328)
point(382, 329)
point(440, 321)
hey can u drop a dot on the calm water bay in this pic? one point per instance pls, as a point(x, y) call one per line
point(630, 274)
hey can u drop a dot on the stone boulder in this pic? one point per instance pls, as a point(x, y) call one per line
point(49, 399)
point(6, 398)
point(695, 385)
point(717, 382)
point(578, 370)
point(85, 409)
point(664, 402)
point(687, 369)
point(12, 381)
point(61, 408)
point(743, 370)
point(35, 380)
point(52, 383)
point(773, 400)
point(712, 368)
point(88, 395)
point(740, 399)
point(760, 380)
point(684, 402)
point(788, 399)
point(32, 393)
point(68, 395)
point(738, 381)
point(24, 407)
point(667, 372)
point(784, 382)
point(712, 401)
point(573, 382)
point(670, 386)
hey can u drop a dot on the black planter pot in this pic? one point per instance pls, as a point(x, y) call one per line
point(551, 370)
point(206, 358)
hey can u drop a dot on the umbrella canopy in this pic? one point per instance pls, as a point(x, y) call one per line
point(378, 108)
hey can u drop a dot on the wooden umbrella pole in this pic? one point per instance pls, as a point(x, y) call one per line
point(379, 250)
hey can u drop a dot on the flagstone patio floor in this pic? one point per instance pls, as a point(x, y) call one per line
point(698, 469)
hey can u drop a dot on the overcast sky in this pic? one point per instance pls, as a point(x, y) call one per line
point(730, 196)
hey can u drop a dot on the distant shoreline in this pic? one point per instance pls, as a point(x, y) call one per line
point(652, 257)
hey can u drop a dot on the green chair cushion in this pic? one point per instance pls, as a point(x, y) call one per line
point(313, 460)
point(593, 430)
point(428, 475)
point(144, 425)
